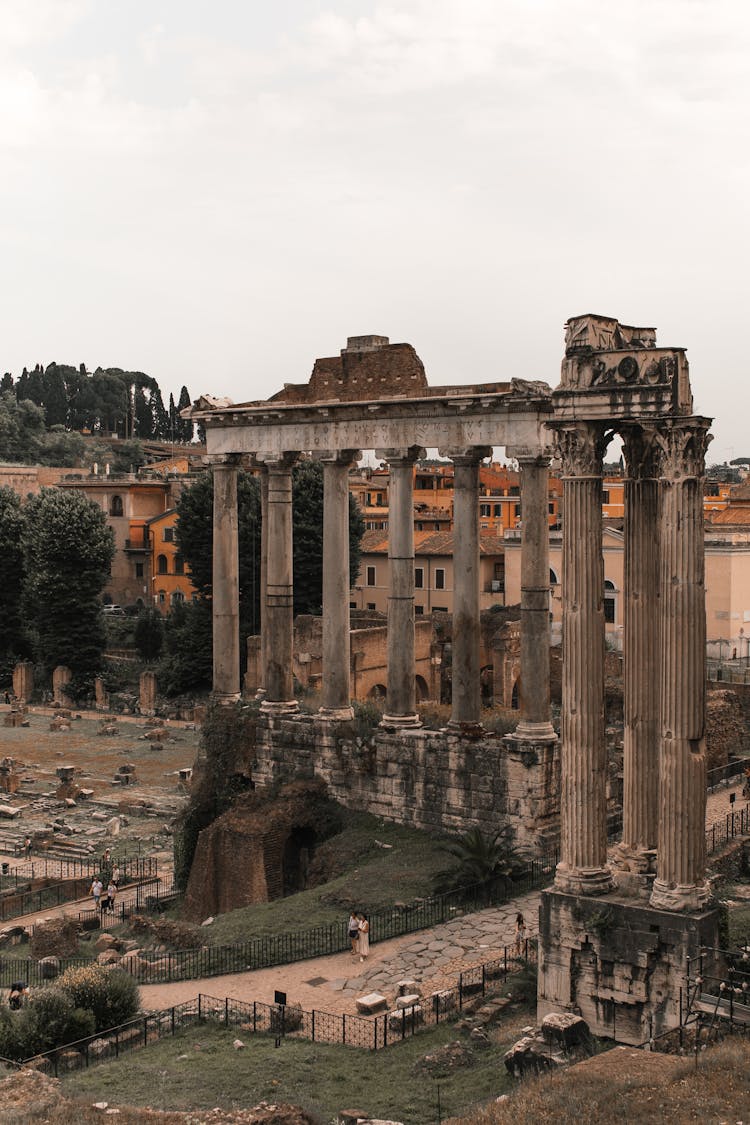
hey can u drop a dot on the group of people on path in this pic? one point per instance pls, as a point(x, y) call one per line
point(359, 935)
point(105, 900)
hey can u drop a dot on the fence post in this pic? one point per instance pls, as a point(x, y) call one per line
point(312, 1025)
point(172, 1020)
point(145, 1031)
point(375, 1034)
point(226, 1011)
point(255, 1015)
point(484, 981)
point(199, 1006)
point(343, 1028)
point(460, 991)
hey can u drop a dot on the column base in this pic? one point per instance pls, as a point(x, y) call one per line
point(680, 898)
point(583, 880)
point(278, 708)
point(633, 860)
point(225, 698)
point(400, 722)
point(535, 732)
point(335, 714)
point(260, 694)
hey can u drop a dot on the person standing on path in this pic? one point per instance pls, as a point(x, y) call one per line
point(354, 933)
point(96, 891)
point(521, 934)
point(364, 937)
point(111, 895)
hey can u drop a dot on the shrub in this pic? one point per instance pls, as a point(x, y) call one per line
point(110, 994)
point(50, 1020)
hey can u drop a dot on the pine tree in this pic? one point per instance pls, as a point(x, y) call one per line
point(185, 424)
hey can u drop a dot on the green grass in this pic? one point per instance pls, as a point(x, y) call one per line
point(365, 877)
point(323, 1079)
point(739, 926)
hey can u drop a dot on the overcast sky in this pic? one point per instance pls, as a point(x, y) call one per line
point(217, 193)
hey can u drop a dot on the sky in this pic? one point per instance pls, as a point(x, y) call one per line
point(217, 193)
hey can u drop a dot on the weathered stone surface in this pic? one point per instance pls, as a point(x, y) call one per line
point(565, 1029)
point(371, 1004)
point(531, 1056)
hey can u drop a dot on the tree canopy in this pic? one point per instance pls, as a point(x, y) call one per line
point(68, 551)
point(13, 643)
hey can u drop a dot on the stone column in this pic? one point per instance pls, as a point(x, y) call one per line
point(279, 615)
point(535, 641)
point(637, 852)
point(336, 587)
point(466, 698)
point(681, 860)
point(225, 582)
point(260, 693)
point(401, 700)
point(583, 866)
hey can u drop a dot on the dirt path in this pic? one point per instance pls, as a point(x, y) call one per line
point(433, 958)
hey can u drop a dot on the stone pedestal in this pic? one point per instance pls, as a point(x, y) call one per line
point(23, 680)
point(533, 774)
point(147, 693)
point(61, 678)
point(619, 965)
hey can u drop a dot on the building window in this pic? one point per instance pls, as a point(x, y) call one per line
point(352, 605)
point(139, 570)
point(420, 526)
point(517, 510)
point(371, 576)
point(162, 597)
point(115, 506)
point(419, 577)
point(439, 578)
point(609, 602)
point(419, 610)
point(497, 509)
point(605, 496)
point(553, 579)
point(179, 564)
point(485, 509)
point(436, 526)
point(161, 564)
point(440, 609)
point(551, 509)
point(169, 535)
point(371, 605)
point(178, 597)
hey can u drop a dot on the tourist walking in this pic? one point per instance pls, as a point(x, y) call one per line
point(111, 895)
point(364, 937)
point(116, 876)
point(96, 891)
point(521, 935)
point(27, 846)
point(354, 933)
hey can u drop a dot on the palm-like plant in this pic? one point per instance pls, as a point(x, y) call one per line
point(478, 859)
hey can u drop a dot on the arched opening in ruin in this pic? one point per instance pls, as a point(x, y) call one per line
point(422, 689)
point(295, 862)
point(377, 693)
point(514, 695)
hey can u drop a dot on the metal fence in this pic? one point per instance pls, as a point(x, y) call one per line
point(288, 1020)
point(285, 948)
point(722, 775)
point(736, 823)
point(19, 897)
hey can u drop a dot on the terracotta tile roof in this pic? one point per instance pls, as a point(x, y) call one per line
point(429, 543)
point(733, 516)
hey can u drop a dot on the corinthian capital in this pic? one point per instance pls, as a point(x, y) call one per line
point(580, 447)
point(642, 451)
point(682, 447)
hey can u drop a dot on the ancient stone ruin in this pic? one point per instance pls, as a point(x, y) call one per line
point(613, 937)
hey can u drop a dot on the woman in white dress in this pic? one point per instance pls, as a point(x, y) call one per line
point(364, 937)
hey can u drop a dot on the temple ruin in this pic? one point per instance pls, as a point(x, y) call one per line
point(614, 935)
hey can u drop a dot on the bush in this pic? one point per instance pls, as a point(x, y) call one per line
point(50, 1020)
point(110, 994)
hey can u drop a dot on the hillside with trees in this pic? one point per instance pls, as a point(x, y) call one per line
point(47, 415)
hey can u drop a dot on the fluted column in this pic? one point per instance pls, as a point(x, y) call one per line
point(336, 585)
point(681, 860)
point(535, 641)
point(260, 694)
point(583, 866)
point(401, 700)
point(465, 686)
point(641, 647)
point(225, 600)
point(279, 677)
